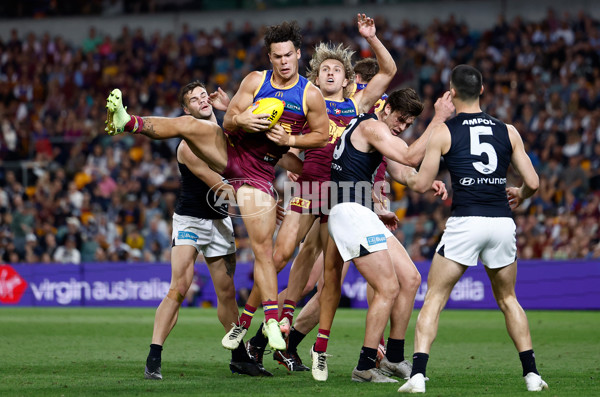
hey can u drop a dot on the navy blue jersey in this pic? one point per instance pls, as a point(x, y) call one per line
point(353, 171)
point(478, 160)
point(195, 197)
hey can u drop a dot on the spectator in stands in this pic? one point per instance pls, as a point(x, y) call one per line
point(68, 253)
point(543, 74)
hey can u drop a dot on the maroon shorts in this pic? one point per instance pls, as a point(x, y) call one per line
point(313, 199)
point(243, 168)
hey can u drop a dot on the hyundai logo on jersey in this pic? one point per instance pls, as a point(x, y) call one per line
point(467, 181)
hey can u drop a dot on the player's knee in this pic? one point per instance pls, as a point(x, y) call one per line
point(388, 289)
point(180, 286)
point(329, 289)
point(394, 291)
point(414, 282)
point(312, 245)
point(332, 280)
point(192, 127)
point(263, 249)
point(506, 302)
point(226, 294)
point(409, 279)
point(281, 258)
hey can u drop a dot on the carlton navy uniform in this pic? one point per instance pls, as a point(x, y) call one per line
point(200, 219)
point(481, 224)
point(353, 225)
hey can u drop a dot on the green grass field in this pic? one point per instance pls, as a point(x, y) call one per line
point(97, 351)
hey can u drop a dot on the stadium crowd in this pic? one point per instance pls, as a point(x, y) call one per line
point(69, 193)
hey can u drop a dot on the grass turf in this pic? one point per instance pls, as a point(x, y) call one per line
point(98, 351)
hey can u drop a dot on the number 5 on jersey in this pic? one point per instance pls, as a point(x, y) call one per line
point(478, 148)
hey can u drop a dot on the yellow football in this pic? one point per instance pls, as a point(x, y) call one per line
point(272, 106)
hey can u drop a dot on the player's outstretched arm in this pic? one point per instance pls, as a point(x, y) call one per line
point(367, 97)
point(443, 111)
point(238, 114)
point(522, 163)
point(438, 144)
point(401, 173)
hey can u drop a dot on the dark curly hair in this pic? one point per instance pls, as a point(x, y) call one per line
point(405, 100)
point(285, 31)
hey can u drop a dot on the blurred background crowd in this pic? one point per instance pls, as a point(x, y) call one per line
point(69, 193)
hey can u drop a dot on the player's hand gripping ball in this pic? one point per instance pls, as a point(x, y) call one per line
point(272, 106)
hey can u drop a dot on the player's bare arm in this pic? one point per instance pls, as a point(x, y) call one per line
point(401, 173)
point(238, 114)
point(443, 111)
point(522, 163)
point(203, 171)
point(438, 145)
point(293, 176)
point(375, 135)
point(366, 98)
point(318, 123)
point(291, 162)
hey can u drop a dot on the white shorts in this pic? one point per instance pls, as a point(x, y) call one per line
point(467, 238)
point(353, 226)
point(212, 237)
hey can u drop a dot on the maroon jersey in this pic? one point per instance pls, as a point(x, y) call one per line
point(316, 170)
point(317, 162)
point(252, 156)
point(380, 175)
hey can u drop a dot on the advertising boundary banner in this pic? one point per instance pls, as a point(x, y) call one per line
point(543, 285)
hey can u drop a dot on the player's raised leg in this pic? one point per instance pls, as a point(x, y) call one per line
point(205, 138)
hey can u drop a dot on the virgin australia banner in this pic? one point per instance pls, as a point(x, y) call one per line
point(571, 285)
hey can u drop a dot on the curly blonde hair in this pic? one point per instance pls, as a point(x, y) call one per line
point(325, 51)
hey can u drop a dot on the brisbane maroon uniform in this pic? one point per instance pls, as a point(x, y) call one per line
point(252, 156)
point(317, 162)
